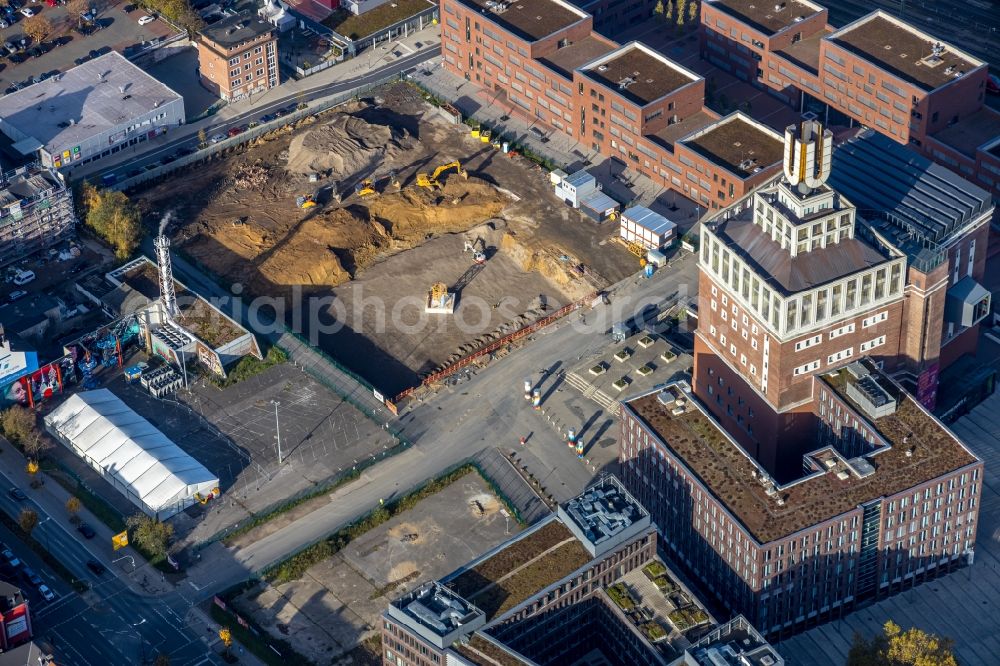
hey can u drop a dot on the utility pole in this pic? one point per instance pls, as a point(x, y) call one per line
point(277, 428)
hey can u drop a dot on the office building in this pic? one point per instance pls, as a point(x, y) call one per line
point(89, 112)
point(36, 212)
point(795, 477)
point(238, 57)
point(583, 582)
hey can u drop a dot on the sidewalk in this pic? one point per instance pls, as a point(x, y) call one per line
point(369, 62)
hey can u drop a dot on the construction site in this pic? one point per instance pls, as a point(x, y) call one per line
point(430, 238)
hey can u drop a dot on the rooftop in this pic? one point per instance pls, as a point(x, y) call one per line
point(530, 20)
point(738, 144)
point(671, 134)
point(735, 643)
point(577, 54)
point(10, 596)
point(903, 50)
point(648, 219)
point(766, 15)
point(482, 651)
point(638, 73)
point(788, 274)
point(236, 30)
point(62, 111)
point(521, 568)
point(604, 515)
point(732, 477)
point(437, 609)
point(972, 131)
point(805, 52)
point(28, 182)
point(926, 200)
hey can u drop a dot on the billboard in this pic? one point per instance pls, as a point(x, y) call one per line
point(36, 387)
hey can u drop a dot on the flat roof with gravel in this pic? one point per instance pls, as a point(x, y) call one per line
point(530, 20)
point(737, 144)
point(904, 51)
point(577, 54)
point(921, 450)
point(638, 73)
point(768, 16)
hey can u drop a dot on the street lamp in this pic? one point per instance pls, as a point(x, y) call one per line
point(277, 428)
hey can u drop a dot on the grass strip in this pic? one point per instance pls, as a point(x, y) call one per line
point(256, 643)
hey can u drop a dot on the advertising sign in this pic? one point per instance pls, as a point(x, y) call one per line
point(208, 358)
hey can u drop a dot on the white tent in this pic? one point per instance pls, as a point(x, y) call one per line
point(136, 458)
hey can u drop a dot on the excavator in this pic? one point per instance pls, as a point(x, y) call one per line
point(305, 201)
point(365, 188)
point(431, 181)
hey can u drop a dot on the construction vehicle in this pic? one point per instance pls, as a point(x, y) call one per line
point(365, 188)
point(393, 178)
point(478, 250)
point(305, 201)
point(485, 135)
point(431, 181)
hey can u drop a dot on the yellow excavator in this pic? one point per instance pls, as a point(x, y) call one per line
point(365, 188)
point(431, 181)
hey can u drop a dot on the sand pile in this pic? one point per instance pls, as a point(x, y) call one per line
point(414, 213)
point(554, 267)
point(343, 146)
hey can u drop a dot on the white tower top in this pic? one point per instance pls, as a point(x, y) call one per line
point(167, 295)
point(808, 149)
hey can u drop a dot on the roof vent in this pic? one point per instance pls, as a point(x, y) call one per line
point(602, 68)
point(779, 6)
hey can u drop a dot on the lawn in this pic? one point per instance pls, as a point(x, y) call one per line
point(370, 22)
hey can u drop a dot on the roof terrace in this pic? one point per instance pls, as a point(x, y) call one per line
point(531, 20)
point(904, 51)
point(737, 144)
point(638, 73)
point(768, 16)
point(921, 450)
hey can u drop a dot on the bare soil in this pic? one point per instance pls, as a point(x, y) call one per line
point(242, 223)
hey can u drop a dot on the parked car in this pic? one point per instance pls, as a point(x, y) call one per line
point(96, 567)
point(235, 131)
point(267, 117)
point(29, 575)
point(217, 138)
point(7, 554)
point(14, 295)
point(46, 593)
point(146, 19)
point(27, 11)
point(86, 530)
point(4, 23)
point(17, 494)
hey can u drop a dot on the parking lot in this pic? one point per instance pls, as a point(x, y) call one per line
point(66, 45)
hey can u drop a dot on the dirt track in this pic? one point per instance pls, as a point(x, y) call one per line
point(243, 224)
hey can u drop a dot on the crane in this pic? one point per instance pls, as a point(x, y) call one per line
point(431, 181)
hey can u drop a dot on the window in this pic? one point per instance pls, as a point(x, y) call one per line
point(871, 344)
point(874, 319)
point(808, 367)
point(808, 342)
point(843, 330)
point(841, 355)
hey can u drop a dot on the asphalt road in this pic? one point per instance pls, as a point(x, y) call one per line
point(187, 136)
point(110, 624)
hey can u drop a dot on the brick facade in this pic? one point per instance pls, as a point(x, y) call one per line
point(236, 64)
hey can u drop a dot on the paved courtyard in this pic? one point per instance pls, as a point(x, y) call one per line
point(961, 606)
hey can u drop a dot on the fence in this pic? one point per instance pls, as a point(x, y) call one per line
point(251, 134)
point(497, 344)
point(300, 72)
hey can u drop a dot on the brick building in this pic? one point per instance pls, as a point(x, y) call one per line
point(15, 618)
point(545, 597)
point(238, 56)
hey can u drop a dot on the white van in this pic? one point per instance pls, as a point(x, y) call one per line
point(24, 277)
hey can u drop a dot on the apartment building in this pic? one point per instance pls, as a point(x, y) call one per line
point(888, 498)
point(878, 72)
point(238, 56)
point(583, 581)
point(36, 212)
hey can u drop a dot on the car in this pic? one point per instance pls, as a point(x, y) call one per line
point(235, 131)
point(14, 295)
point(96, 567)
point(146, 19)
point(16, 58)
point(86, 530)
point(8, 554)
point(267, 117)
point(217, 138)
point(17, 494)
point(27, 12)
point(4, 23)
point(29, 575)
point(993, 84)
point(9, 47)
point(46, 593)
point(128, 9)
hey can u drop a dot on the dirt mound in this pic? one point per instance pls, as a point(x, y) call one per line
point(343, 146)
point(559, 269)
point(414, 213)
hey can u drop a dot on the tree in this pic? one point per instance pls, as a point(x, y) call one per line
point(28, 520)
point(658, 9)
point(692, 12)
point(34, 445)
point(681, 10)
point(895, 647)
point(162, 660)
point(113, 217)
point(37, 27)
point(18, 423)
point(73, 507)
point(149, 533)
point(669, 14)
point(202, 137)
point(226, 636)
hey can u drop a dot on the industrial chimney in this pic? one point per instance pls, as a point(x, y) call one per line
point(167, 295)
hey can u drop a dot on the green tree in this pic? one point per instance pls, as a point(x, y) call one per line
point(895, 647)
point(28, 520)
point(113, 217)
point(149, 533)
point(18, 424)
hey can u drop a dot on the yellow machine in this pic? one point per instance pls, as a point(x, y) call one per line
point(365, 188)
point(636, 249)
point(431, 181)
point(485, 135)
point(307, 201)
